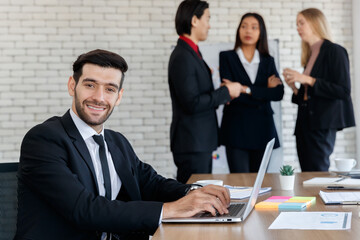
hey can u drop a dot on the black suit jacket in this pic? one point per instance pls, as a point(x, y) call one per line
point(58, 192)
point(247, 121)
point(329, 100)
point(194, 126)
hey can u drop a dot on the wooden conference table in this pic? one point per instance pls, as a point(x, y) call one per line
point(257, 224)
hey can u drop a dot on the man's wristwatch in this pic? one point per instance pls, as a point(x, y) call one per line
point(248, 90)
point(192, 188)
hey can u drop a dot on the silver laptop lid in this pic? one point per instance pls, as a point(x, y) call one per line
point(259, 179)
point(249, 205)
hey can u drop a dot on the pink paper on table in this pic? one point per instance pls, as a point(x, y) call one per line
point(279, 197)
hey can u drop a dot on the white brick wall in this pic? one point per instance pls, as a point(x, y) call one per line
point(39, 40)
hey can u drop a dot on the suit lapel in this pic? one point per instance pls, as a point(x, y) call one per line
point(241, 70)
point(319, 58)
point(261, 63)
point(79, 143)
point(209, 73)
point(203, 63)
point(193, 53)
point(123, 169)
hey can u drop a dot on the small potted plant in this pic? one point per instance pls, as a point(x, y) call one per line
point(287, 177)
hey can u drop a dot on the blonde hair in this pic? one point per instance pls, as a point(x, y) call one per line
point(320, 27)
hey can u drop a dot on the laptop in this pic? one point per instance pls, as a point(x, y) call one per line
point(238, 211)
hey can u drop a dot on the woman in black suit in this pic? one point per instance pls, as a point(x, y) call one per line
point(324, 101)
point(247, 123)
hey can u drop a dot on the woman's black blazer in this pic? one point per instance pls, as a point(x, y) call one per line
point(247, 121)
point(329, 101)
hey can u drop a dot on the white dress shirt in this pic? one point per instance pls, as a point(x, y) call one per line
point(252, 67)
point(87, 132)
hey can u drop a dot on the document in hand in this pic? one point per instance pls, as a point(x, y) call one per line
point(342, 198)
point(322, 181)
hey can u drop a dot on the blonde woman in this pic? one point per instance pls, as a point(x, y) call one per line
point(324, 102)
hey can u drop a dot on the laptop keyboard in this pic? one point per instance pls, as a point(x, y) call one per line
point(234, 209)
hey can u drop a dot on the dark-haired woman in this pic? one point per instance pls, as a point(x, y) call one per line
point(247, 123)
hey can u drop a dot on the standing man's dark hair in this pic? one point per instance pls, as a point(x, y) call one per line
point(101, 58)
point(262, 44)
point(187, 9)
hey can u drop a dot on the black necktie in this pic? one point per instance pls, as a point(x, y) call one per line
point(104, 165)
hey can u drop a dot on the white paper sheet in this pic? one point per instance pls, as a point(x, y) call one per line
point(323, 181)
point(340, 197)
point(244, 192)
point(313, 221)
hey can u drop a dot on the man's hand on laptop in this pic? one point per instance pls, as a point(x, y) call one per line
point(210, 198)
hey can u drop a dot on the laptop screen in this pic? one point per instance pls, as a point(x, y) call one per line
point(259, 179)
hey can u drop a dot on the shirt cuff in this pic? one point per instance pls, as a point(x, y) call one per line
point(161, 215)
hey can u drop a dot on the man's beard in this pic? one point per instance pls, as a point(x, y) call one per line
point(87, 119)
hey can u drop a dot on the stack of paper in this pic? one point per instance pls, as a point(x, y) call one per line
point(344, 198)
point(244, 192)
point(286, 203)
point(322, 181)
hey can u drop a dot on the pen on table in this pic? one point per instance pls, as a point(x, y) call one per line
point(339, 180)
point(351, 202)
point(236, 187)
point(342, 188)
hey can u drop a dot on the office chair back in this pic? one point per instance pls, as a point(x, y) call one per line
point(8, 200)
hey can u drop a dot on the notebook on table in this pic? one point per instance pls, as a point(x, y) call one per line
point(340, 198)
point(331, 181)
point(238, 211)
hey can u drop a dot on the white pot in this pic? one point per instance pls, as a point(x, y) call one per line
point(287, 182)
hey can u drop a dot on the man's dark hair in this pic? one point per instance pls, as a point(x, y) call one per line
point(187, 9)
point(262, 43)
point(101, 58)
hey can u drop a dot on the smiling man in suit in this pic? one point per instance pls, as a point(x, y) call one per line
point(194, 127)
point(78, 180)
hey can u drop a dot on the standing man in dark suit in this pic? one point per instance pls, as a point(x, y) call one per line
point(194, 127)
point(78, 180)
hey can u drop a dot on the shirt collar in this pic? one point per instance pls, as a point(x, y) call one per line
point(191, 44)
point(256, 58)
point(85, 130)
point(316, 46)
